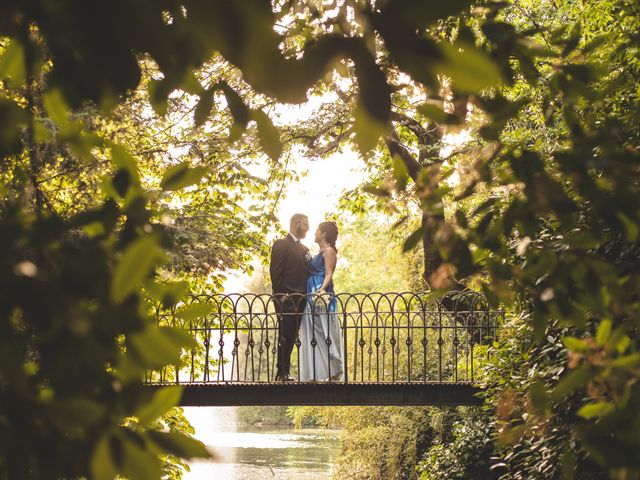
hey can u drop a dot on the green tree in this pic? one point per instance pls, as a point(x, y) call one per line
point(370, 257)
point(553, 90)
point(546, 218)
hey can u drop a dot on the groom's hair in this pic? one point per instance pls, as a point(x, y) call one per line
point(296, 217)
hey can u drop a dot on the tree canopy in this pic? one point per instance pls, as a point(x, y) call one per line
point(102, 184)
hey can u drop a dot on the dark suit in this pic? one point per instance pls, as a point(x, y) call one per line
point(289, 271)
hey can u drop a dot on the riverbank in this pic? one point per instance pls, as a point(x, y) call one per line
point(261, 416)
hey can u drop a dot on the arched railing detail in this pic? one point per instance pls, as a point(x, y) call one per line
point(385, 338)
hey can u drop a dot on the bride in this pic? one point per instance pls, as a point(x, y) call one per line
point(320, 334)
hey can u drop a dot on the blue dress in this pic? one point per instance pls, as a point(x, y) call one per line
point(320, 333)
point(315, 280)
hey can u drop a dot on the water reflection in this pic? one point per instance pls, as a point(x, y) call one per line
point(246, 453)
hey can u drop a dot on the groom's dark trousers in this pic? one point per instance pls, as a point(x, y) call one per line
point(289, 271)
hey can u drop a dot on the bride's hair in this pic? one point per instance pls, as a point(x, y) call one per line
point(330, 230)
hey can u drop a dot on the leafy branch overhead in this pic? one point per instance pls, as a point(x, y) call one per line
point(538, 207)
point(180, 37)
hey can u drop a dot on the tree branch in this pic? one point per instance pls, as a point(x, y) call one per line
point(396, 148)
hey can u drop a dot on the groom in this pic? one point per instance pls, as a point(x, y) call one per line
point(289, 270)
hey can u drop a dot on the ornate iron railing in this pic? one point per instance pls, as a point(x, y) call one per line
point(384, 338)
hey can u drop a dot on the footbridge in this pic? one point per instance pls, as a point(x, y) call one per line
point(394, 349)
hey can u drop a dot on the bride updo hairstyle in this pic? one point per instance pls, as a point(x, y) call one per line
point(330, 230)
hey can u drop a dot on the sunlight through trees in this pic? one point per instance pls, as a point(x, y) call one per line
point(131, 133)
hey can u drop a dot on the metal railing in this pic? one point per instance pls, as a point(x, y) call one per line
point(383, 338)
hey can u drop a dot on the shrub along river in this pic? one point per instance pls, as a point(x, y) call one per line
point(247, 450)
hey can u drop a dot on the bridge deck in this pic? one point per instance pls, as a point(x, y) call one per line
point(320, 393)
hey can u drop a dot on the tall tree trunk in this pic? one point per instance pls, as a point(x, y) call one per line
point(428, 140)
point(432, 258)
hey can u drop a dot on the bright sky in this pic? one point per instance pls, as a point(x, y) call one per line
point(318, 192)
point(322, 181)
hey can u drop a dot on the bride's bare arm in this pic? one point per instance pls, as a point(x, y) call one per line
point(330, 259)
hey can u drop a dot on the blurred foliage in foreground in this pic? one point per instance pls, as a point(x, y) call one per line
point(547, 90)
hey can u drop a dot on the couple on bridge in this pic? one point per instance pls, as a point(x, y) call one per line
point(305, 302)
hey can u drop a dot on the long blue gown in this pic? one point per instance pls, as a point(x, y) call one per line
point(320, 359)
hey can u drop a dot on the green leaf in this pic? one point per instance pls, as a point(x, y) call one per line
point(486, 205)
point(376, 190)
point(575, 344)
point(581, 240)
point(374, 93)
point(437, 114)
point(367, 130)
point(470, 69)
point(412, 240)
point(195, 310)
point(102, 467)
point(568, 464)
point(538, 396)
point(572, 381)
point(121, 181)
point(400, 222)
point(596, 42)
point(158, 93)
point(203, 108)
point(140, 464)
point(179, 336)
point(239, 111)
point(181, 176)
point(632, 229)
point(129, 367)
point(157, 347)
point(179, 444)
point(12, 64)
point(604, 330)
point(627, 362)
point(597, 409)
point(121, 157)
point(163, 400)
point(82, 143)
point(400, 171)
point(190, 83)
point(169, 293)
point(70, 414)
point(573, 40)
point(12, 121)
point(618, 340)
point(137, 262)
point(268, 134)
point(461, 218)
point(57, 108)
point(153, 349)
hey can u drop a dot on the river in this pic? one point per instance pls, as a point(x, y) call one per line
point(254, 452)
